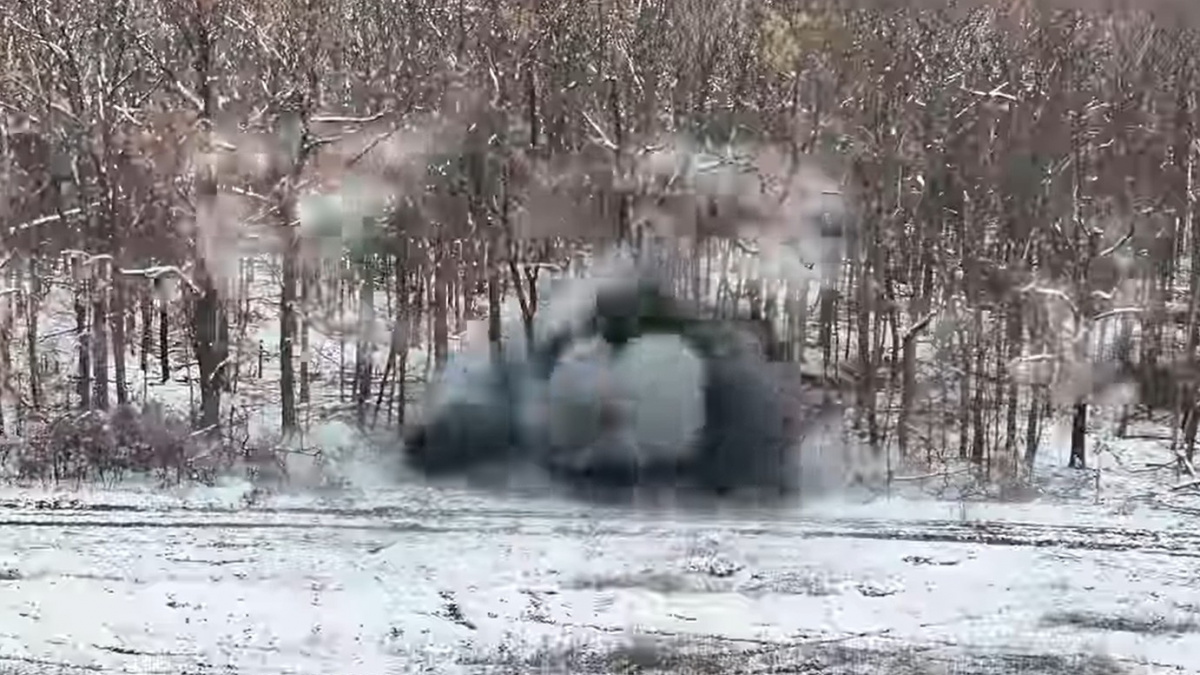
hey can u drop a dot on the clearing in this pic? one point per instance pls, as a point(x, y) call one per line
point(378, 578)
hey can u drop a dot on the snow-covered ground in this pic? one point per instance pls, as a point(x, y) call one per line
point(390, 577)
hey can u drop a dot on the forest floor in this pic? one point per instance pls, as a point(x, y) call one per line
point(352, 568)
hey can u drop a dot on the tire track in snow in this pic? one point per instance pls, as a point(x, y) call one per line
point(483, 520)
point(331, 529)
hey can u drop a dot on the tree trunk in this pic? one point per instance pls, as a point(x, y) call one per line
point(146, 313)
point(493, 296)
point(287, 333)
point(978, 434)
point(32, 322)
point(210, 323)
point(118, 343)
point(1190, 426)
point(395, 359)
point(339, 292)
point(797, 311)
point(827, 324)
point(364, 352)
point(83, 385)
point(5, 365)
point(1015, 332)
point(307, 282)
point(441, 338)
point(211, 344)
point(964, 397)
point(1078, 458)
point(164, 341)
point(405, 316)
point(866, 367)
point(1033, 426)
point(100, 321)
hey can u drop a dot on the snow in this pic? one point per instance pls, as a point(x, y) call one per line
point(415, 578)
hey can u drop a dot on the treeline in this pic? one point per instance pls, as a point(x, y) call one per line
point(1022, 183)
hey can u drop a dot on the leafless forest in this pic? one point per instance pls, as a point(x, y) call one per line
point(275, 205)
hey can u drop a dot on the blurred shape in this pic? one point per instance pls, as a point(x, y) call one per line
point(472, 415)
point(625, 389)
point(790, 205)
point(628, 410)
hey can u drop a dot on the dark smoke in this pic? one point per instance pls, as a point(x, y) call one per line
point(627, 392)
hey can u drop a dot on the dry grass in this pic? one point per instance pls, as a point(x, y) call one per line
point(108, 447)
